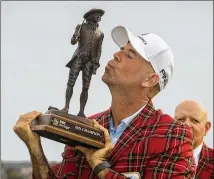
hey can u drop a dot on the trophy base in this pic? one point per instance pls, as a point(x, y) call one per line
point(68, 129)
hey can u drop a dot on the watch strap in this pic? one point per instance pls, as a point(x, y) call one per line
point(100, 167)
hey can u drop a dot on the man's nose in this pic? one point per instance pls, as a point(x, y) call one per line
point(117, 56)
point(189, 123)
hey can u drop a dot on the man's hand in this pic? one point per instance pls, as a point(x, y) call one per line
point(95, 157)
point(41, 168)
point(22, 128)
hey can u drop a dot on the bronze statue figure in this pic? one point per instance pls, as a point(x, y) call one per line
point(59, 125)
point(86, 57)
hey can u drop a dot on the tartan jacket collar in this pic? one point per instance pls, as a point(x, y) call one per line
point(207, 153)
point(205, 164)
point(146, 113)
point(131, 133)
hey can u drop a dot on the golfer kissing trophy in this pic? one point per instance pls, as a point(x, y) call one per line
point(59, 125)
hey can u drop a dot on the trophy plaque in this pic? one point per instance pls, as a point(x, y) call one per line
point(59, 125)
point(68, 129)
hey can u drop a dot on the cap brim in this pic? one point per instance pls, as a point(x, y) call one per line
point(122, 35)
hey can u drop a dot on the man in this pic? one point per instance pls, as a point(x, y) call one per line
point(195, 115)
point(143, 141)
point(86, 57)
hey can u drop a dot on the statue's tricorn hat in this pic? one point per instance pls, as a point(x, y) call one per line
point(93, 11)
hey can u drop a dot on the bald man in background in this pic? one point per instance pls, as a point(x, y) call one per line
point(195, 115)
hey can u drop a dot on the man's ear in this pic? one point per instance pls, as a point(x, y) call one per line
point(207, 127)
point(151, 80)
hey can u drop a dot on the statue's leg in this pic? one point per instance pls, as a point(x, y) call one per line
point(86, 79)
point(83, 100)
point(73, 74)
point(68, 95)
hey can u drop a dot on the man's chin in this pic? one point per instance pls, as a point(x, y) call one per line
point(105, 79)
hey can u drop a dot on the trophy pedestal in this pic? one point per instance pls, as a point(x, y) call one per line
point(68, 129)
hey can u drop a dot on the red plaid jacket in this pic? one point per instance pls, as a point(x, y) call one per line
point(153, 144)
point(205, 168)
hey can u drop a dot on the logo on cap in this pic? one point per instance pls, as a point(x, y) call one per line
point(164, 77)
point(144, 41)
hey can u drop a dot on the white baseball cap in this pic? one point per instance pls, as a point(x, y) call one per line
point(152, 48)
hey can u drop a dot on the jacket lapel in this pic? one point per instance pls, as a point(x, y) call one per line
point(131, 133)
point(205, 161)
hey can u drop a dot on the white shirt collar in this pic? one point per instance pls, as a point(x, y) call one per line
point(128, 119)
point(197, 152)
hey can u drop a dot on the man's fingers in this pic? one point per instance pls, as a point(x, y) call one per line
point(24, 120)
point(106, 134)
point(108, 141)
point(105, 131)
point(15, 129)
point(29, 116)
point(33, 115)
point(94, 122)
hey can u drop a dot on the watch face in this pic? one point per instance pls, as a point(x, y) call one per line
point(132, 175)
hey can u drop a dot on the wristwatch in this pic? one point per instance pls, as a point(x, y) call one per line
point(100, 167)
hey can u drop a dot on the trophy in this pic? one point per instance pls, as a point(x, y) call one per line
point(59, 125)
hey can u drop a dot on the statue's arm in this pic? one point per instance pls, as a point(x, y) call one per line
point(100, 46)
point(76, 36)
point(97, 59)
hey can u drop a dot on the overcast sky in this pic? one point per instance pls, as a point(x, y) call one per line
point(35, 48)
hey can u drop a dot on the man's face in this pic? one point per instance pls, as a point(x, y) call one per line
point(192, 114)
point(127, 68)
